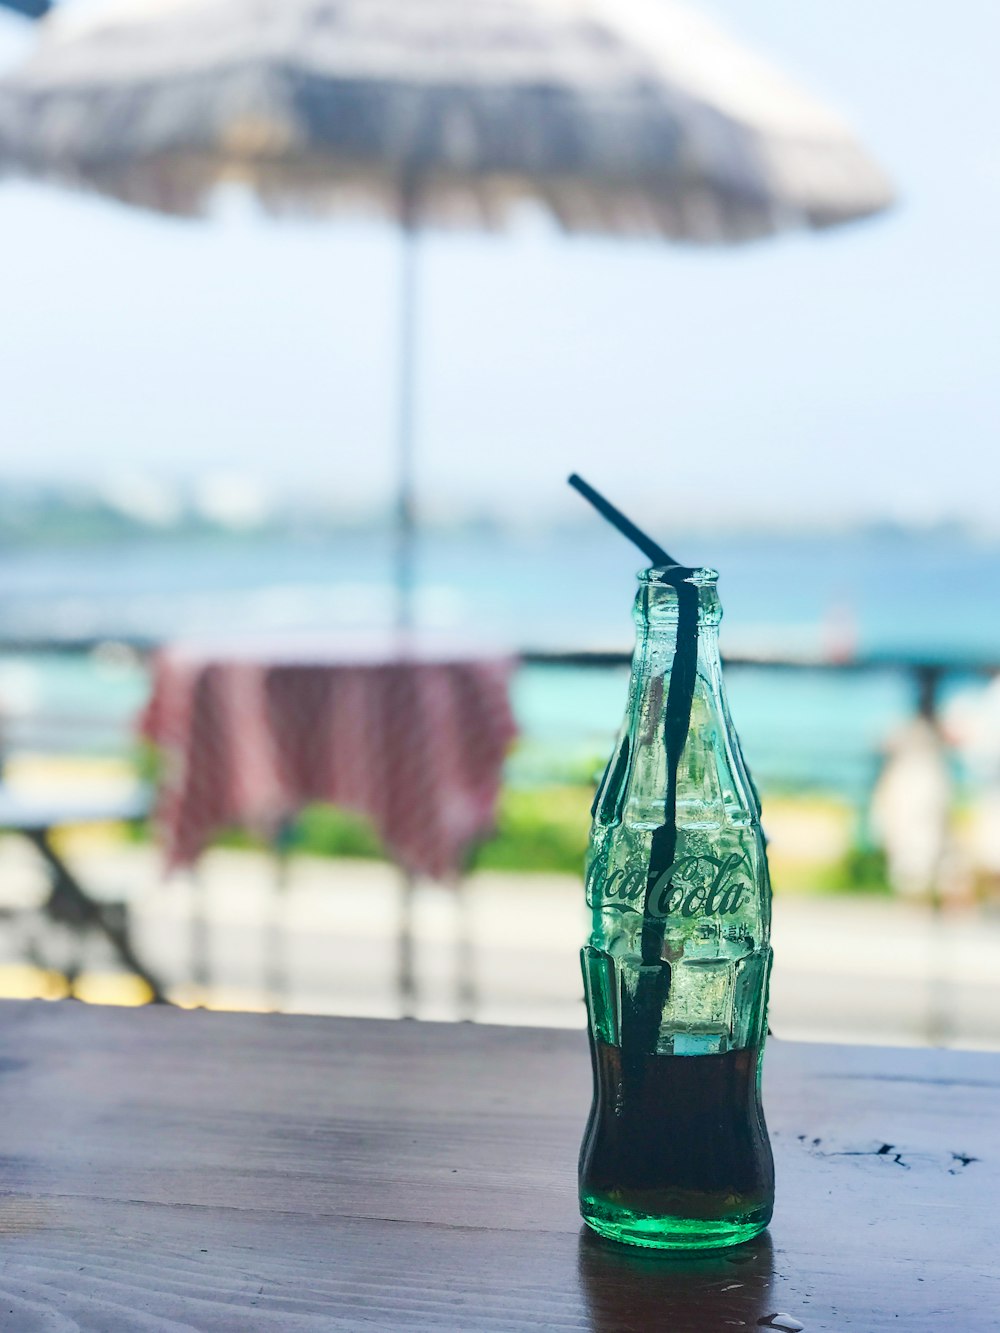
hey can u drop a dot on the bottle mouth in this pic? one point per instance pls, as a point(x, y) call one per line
point(657, 601)
point(664, 576)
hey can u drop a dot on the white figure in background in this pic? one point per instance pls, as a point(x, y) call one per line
point(911, 808)
point(972, 723)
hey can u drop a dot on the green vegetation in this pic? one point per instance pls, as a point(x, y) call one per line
point(538, 830)
point(541, 829)
point(861, 870)
point(325, 831)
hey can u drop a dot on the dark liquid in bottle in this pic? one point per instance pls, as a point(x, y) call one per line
point(678, 1137)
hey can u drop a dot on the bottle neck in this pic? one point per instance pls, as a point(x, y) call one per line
point(658, 614)
point(641, 779)
point(710, 733)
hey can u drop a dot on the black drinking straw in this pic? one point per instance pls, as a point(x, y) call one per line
point(616, 518)
point(654, 977)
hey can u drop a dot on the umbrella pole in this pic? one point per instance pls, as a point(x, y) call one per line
point(406, 396)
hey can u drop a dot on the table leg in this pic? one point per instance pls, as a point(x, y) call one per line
point(200, 939)
point(465, 969)
point(938, 1029)
point(276, 963)
point(406, 977)
point(69, 902)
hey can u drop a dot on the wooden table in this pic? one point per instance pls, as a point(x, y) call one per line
point(165, 1171)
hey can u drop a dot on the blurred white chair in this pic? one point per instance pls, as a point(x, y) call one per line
point(911, 809)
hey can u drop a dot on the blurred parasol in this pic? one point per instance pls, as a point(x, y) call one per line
point(618, 116)
point(32, 9)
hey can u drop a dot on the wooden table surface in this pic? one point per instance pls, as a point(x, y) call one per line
point(165, 1171)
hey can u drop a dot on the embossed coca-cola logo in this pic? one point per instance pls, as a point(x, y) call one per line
point(698, 885)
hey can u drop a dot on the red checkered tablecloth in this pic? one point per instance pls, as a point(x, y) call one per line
point(411, 736)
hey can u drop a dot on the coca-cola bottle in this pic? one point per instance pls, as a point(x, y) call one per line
point(676, 1153)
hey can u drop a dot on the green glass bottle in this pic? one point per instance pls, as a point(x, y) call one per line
point(676, 1153)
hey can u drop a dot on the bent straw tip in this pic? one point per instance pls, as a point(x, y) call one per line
point(652, 550)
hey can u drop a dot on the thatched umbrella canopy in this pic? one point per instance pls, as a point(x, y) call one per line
point(619, 116)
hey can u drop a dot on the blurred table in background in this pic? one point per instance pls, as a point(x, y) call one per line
point(243, 1173)
point(409, 733)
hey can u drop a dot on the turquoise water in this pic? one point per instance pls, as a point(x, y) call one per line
point(931, 595)
point(890, 594)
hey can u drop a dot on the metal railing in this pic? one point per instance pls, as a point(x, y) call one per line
point(926, 675)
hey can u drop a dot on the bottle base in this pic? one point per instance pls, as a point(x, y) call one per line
point(671, 1233)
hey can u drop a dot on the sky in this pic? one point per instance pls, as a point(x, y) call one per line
point(808, 379)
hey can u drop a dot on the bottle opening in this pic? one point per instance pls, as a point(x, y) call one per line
point(663, 576)
point(656, 601)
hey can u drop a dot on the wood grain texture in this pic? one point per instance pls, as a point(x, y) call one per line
point(177, 1171)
